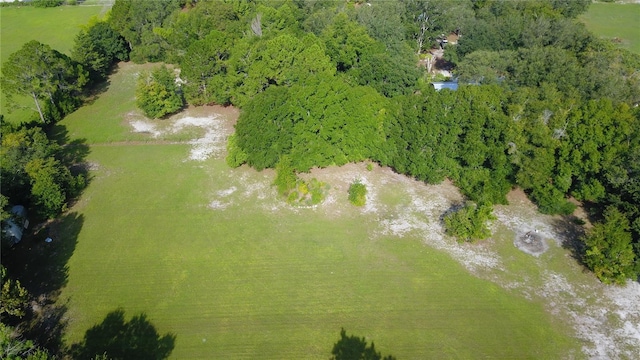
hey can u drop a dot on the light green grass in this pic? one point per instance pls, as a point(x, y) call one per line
point(612, 20)
point(56, 27)
point(245, 283)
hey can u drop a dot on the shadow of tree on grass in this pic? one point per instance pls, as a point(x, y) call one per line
point(354, 348)
point(115, 338)
point(572, 231)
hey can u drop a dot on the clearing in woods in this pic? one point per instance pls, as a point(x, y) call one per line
point(616, 21)
point(212, 255)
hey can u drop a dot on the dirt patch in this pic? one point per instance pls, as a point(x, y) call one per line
point(217, 123)
point(145, 127)
point(531, 243)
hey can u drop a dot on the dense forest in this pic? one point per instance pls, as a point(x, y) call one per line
point(542, 104)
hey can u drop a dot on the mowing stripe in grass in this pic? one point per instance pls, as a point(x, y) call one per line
point(243, 283)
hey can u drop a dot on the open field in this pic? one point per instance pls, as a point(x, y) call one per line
point(212, 255)
point(56, 27)
point(611, 20)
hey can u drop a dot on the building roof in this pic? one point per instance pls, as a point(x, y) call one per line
point(439, 85)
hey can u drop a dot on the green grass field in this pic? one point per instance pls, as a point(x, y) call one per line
point(245, 283)
point(611, 20)
point(258, 279)
point(56, 27)
point(251, 282)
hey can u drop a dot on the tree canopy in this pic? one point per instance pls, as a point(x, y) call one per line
point(50, 78)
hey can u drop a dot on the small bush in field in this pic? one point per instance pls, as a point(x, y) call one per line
point(357, 193)
point(470, 222)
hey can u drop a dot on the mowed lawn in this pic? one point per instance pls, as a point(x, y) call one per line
point(247, 283)
point(56, 27)
point(257, 279)
point(250, 281)
point(612, 20)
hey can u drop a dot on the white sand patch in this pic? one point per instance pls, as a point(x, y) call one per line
point(227, 192)
point(218, 205)
point(203, 122)
point(141, 126)
point(214, 141)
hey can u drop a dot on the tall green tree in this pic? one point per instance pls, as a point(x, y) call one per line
point(98, 48)
point(14, 296)
point(136, 21)
point(32, 172)
point(12, 347)
point(609, 252)
point(205, 68)
point(45, 75)
point(157, 93)
point(281, 61)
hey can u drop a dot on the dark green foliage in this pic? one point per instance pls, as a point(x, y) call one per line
point(98, 48)
point(157, 93)
point(14, 296)
point(469, 223)
point(281, 61)
point(183, 28)
point(48, 77)
point(32, 172)
point(389, 74)
point(47, 3)
point(358, 193)
point(205, 68)
point(136, 21)
point(346, 42)
point(13, 347)
point(462, 135)
point(355, 348)
point(319, 123)
point(609, 251)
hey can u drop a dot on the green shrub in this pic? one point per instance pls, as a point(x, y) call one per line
point(470, 222)
point(296, 190)
point(47, 3)
point(235, 155)
point(357, 193)
point(157, 93)
point(286, 178)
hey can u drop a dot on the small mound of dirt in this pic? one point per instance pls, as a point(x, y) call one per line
point(531, 243)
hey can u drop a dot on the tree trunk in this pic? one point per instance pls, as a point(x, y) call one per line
point(35, 98)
